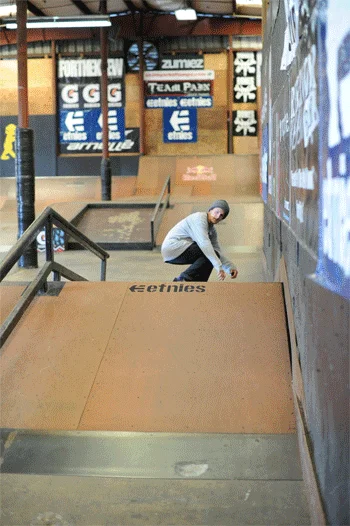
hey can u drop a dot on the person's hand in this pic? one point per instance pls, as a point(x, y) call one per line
point(221, 275)
point(234, 273)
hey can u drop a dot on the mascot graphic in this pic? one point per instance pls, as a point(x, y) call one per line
point(10, 135)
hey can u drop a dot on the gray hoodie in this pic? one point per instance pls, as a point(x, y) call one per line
point(195, 228)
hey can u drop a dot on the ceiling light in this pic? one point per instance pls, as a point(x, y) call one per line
point(61, 21)
point(186, 14)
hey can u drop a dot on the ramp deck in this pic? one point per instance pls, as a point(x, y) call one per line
point(152, 357)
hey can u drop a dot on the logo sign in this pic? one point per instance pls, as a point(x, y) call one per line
point(79, 83)
point(89, 67)
point(130, 144)
point(58, 240)
point(77, 96)
point(180, 125)
point(199, 173)
point(245, 64)
point(245, 123)
point(86, 125)
point(245, 89)
point(159, 75)
point(167, 288)
point(181, 61)
point(8, 148)
point(179, 102)
point(179, 88)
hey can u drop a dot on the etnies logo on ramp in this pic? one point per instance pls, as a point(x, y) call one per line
point(167, 288)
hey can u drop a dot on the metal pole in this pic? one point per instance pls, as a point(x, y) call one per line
point(229, 95)
point(24, 143)
point(142, 95)
point(106, 177)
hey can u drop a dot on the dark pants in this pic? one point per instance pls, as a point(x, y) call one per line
point(200, 268)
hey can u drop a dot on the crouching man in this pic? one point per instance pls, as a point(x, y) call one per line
point(193, 241)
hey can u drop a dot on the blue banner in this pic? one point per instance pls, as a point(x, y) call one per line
point(333, 269)
point(179, 125)
point(178, 102)
point(85, 126)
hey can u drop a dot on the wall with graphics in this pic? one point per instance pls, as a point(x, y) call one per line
point(246, 101)
point(211, 122)
point(185, 110)
point(305, 175)
point(54, 154)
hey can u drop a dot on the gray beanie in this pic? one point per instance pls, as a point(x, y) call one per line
point(220, 203)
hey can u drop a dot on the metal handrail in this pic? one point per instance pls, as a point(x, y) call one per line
point(47, 219)
point(156, 210)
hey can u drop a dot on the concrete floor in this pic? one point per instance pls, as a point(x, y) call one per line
point(240, 234)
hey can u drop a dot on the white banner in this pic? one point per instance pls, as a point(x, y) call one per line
point(186, 74)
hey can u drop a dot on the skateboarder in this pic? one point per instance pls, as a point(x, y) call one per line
point(193, 241)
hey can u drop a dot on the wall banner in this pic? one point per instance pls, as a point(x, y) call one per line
point(179, 88)
point(58, 240)
point(130, 144)
point(85, 127)
point(280, 115)
point(245, 64)
point(79, 100)
point(179, 125)
point(333, 268)
point(264, 162)
point(179, 102)
point(245, 123)
point(244, 89)
point(245, 76)
point(78, 83)
point(165, 76)
point(181, 61)
point(304, 133)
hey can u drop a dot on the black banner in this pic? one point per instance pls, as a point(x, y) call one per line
point(244, 89)
point(130, 144)
point(245, 123)
point(245, 64)
point(78, 84)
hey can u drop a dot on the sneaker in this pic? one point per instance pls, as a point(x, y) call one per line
point(178, 279)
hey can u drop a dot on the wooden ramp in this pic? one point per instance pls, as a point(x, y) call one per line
point(150, 403)
point(201, 175)
point(151, 357)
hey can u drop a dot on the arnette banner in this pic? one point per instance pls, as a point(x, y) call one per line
point(130, 144)
point(79, 102)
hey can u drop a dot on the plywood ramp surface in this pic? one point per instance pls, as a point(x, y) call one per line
point(9, 295)
point(200, 175)
point(170, 357)
point(49, 362)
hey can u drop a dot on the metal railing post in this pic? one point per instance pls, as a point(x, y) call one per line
point(103, 269)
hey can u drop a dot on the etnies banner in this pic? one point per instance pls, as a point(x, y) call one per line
point(79, 100)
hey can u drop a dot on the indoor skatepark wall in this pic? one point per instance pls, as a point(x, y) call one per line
point(234, 175)
point(295, 142)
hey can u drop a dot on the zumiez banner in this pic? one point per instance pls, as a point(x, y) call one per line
point(79, 102)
